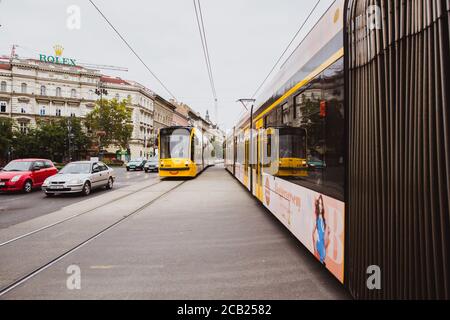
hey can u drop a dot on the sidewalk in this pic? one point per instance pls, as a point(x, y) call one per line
point(207, 239)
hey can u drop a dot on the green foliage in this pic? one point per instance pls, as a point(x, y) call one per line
point(52, 139)
point(6, 136)
point(112, 118)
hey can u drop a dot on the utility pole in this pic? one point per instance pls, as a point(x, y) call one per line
point(100, 91)
point(245, 102)
point(70, 136)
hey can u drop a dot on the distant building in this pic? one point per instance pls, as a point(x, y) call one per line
point(32, 89)
point(53, 87)
point(163, 113)
point(141, 100)
point(181, 114)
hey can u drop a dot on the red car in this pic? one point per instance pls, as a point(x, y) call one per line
point(25, 174)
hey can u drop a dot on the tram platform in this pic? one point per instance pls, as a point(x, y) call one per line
point(206, 239)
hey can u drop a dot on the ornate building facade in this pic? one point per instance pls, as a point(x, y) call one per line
point(32, 89)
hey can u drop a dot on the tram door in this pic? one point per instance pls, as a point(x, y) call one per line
point(246, 173)
point(259, 157)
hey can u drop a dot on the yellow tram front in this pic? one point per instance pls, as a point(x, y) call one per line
point(180, 152)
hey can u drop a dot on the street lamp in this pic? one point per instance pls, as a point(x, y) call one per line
point(100, 92)
point(70, 136)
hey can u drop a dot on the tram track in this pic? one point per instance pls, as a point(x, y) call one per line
point(75, 215)
point(51, 261)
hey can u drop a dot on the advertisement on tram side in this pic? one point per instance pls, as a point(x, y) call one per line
point(315, 219)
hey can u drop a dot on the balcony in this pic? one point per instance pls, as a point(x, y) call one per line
point(59, 99)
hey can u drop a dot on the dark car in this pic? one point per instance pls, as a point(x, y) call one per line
point(136, 165)
point(25, 174)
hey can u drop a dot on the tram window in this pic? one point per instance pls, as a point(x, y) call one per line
point(333, 96)
point(313, 137)
point(247, 152)
point(269, 145)
point(279, 120)
point(174, 143)
point(297, 109)
point(286, 113)
point(271, 119)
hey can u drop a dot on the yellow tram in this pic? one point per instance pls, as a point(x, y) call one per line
point(183, 152)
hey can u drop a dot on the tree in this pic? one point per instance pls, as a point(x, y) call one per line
point(26, 144)
point(58, 140)
point(6, 136)
point(79, 140)
point(51, 137)
point(112, 118)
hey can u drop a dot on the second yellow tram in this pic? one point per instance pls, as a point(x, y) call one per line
point(183, 152)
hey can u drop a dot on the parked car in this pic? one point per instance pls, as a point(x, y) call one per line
point(136, 164)
point(80, 177)
point(152, 165)
point(25, 174)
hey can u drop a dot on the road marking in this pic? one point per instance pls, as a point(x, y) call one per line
point(101, 267)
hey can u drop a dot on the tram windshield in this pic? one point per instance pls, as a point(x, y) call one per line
point(175, 143)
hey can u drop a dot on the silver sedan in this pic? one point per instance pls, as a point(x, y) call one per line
point(80, 177)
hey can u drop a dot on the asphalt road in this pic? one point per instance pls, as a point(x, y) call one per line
point(18, 207)
point(204, 238)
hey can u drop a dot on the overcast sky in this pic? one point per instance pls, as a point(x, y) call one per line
point(245, 38)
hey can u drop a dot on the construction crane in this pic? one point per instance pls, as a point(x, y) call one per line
point(101, 66)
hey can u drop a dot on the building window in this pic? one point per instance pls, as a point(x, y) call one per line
point(24, 88)
point(58, 92)
point(73, 115)
point(73, 93)
point(42, 111)
point(2, 106)
point(58, 112)
point(3, 86)
point(23, 127)
point(23, 110)
point(43, 91)
point(117, 96)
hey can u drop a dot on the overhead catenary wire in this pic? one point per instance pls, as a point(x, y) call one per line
point(204, 41)
point(286, 49)
point(133, 51)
